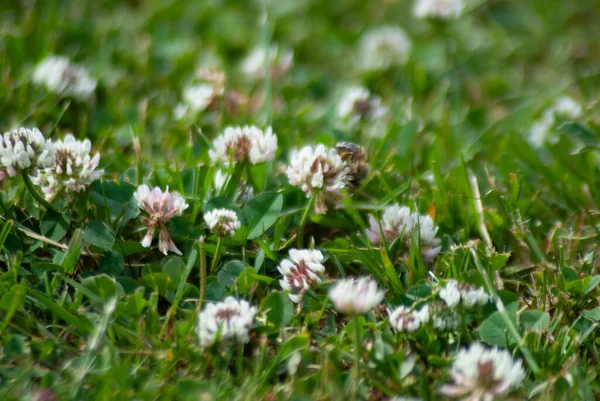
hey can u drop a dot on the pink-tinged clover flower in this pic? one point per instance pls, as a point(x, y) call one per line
point(301, 271)
point(160, 207)
point(484, 374)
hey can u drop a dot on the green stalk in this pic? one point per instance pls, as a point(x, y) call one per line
point(215, 259)
point(512, 330)
point(36, 195)
point(202, 272)
point(300, 236)
point(356, 356)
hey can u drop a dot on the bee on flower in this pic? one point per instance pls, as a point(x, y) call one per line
point(319, 171)
point(160, 207)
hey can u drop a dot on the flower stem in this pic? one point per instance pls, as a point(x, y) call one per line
point(215, 259)
point(239, 362)
point(300, 236)
point(202, 272)
point(36, 195)
point(356, 355)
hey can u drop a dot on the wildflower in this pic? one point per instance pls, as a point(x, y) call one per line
point(443, 318)
point(247, 143)
point(223, 222)
point(253, 65)
point(73, 168)
point(318, 170)
point(384, 47)
point(564, 108)
point(404, 319)
point(359, 105)
point(24, 149)
point(471, 296)
point(400, 222)
point(161, 207)
point(355, 296)
point(61, 77)
point(484, 373)
point(231, 319)
point(441, 9)
point(303, 269)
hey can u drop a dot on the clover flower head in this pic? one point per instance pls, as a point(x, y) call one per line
point(398, 222)
point(253, 65)
point(438, 9)
point(468, 295)
point(318, 170)
point(62, 77)
point(564, 108)
point(484, 374)
point(247, 143)
point(301, 271)
point(443, 318)
point(406, 320)
point(383, 47)
point(355, 296)
point(223, 222)
point(73, 170)
point(359, 105)
point(231, 319)
point(160, 207)
point(24, 149)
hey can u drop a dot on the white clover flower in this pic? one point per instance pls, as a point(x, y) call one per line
point(223, 222)
point(231, 319)
point(469, 296)
point(441, 9)
point(564, 108)
point(406, 320)
point(23, 149)
point(383, 47)
point(318, 170)
point(483, 374)
point(253, 65)
point(355, 296)
point(73, 169)
point(443, 318)
point(472, 296)
point(161, 207)
point(359, 105)
point(300, 272)
point(61, 77)
point(450, 294)
point(398, 221)
point(196, 98)
point(247, 143)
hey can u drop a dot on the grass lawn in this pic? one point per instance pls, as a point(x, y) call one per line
point(299, 200)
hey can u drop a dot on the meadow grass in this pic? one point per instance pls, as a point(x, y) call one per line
point(484, 126)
